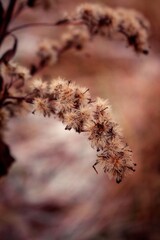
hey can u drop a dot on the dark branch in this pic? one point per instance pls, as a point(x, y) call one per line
point(7, 19)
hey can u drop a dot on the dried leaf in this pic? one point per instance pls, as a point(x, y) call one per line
point(63, 21)
point(9, 54)
point(6, 160)
point(31, 3)
point(1, 13)
point(1, 83)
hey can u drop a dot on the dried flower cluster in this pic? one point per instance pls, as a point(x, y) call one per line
point(49, 51)
point(90, 20)
point(105, 20)
point(73, 106)
point(13, 78)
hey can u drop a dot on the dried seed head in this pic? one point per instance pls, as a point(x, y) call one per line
point(74, 38)
point(15, 70)
point(106, 21)
point(101, 108)
point(81, 97)
point(117, 164)
point(57, 86)
point(73, 106)
point(4, 116)
point(48, 51)
point(77, 119)
point(135, 28)
point(42, 106)
point(39, 85)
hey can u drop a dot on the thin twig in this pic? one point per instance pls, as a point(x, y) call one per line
point(58, 23)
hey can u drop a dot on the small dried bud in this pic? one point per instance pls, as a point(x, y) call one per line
point(135, 28)
point(4, 116)
point(16, 71)
point(48, 51)
point(42, 106)
point(116, 162)
point(77, 119)
point(39, 85)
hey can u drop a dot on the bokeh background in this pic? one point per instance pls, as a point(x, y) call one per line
point(52, 191)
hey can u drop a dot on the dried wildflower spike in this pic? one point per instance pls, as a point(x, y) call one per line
point(106, 21)
point(92, 20)
point(73, 106)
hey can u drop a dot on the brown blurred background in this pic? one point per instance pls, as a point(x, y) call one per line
point(52, 192)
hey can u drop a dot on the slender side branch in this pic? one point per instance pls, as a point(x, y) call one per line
point(45, 24)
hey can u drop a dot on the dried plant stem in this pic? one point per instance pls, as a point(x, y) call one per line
point(7, 19)
point(46, 24)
